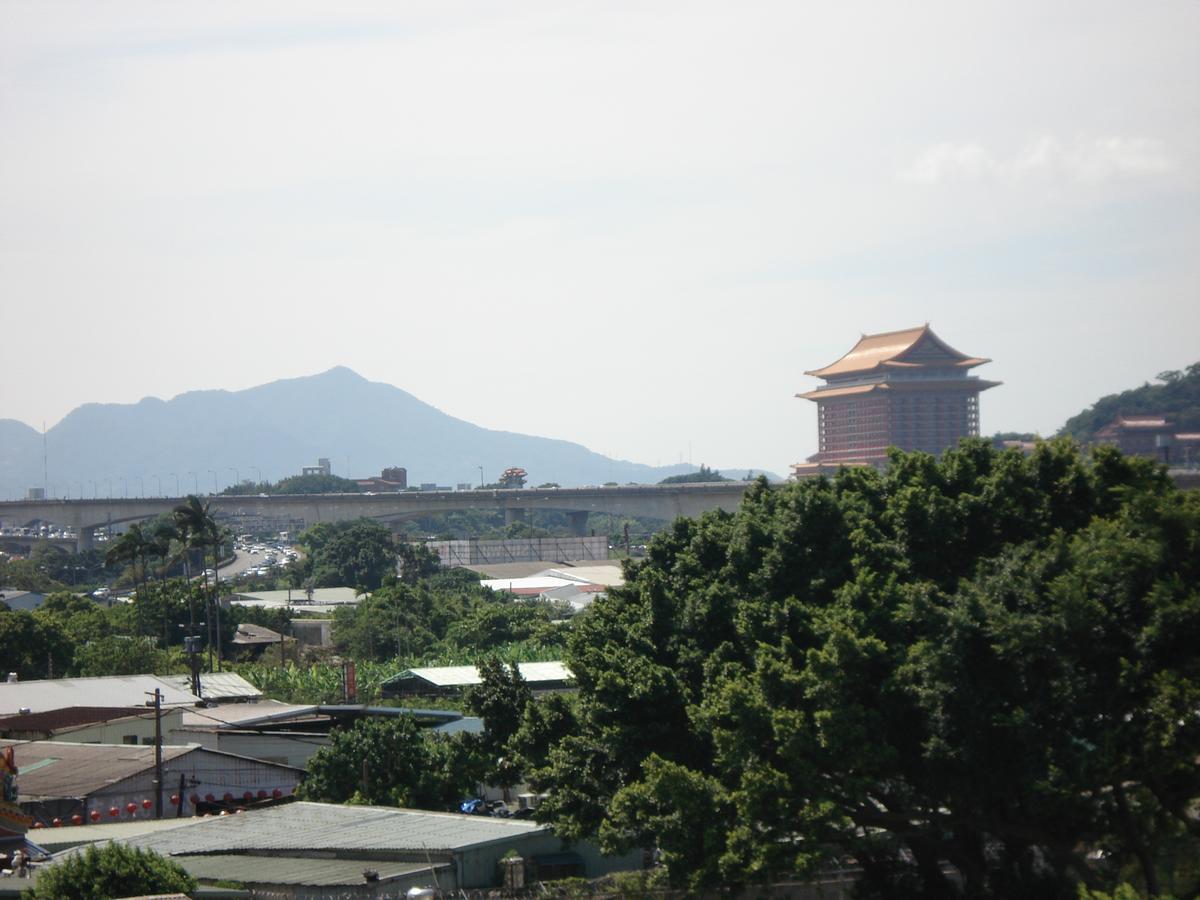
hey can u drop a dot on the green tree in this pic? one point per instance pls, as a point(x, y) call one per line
point(113, 870)
point(315, 484)
point(393, 762)
point(120, 655)
point(979, 659)
point(34, 646)
point(349, 554)
point(417, 561)
point(703, 474)
point(1177, 396)
point(500, 700)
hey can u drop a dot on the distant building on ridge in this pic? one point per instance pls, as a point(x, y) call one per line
point(906, 389)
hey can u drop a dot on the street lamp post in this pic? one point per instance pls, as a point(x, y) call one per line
point(95, 491)
point(108, 487)
point(213, 472)
point(141, 487)
point(158, 489)
point(195, 482)
point(257, 474)
point(237, 475)
point(125, 483)
point(481, 476)
point(176, 482)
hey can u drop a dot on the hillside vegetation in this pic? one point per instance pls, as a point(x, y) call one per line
point(1177, 396)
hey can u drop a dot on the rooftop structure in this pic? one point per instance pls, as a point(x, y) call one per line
point(60, 780)
point(540, 676)
point(221, 687)
point(109, 691)
point(1154, 436)
point(321, 599)
point(906, 389)
point(330, 846)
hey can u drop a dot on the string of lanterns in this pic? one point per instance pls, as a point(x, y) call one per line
point(131, 808)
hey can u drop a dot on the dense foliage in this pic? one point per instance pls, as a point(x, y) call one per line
point(700, 476)
point(1177, 396)
point(394, 762)
point(73, 635)
point(358, 554)
point(988, 660)
point(113, 870)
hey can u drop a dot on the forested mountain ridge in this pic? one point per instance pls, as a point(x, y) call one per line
point(1176, 396)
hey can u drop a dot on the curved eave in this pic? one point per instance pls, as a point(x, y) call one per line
point(829, 393)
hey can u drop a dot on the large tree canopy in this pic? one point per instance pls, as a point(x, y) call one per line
point(988, 660)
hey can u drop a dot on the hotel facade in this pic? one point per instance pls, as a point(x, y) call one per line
point(907, 389)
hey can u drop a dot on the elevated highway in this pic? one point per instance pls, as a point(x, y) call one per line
point(659, 501)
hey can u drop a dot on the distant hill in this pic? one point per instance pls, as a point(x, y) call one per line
point(1177, 396)
point(276, 429)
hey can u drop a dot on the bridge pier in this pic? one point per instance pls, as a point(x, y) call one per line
point(85, 540)
point(514, 515)
point(579, 523)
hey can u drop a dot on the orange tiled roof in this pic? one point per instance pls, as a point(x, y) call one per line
point(843, 392)
point(887, 349)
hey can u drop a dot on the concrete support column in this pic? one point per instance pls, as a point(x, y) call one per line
point(514, 515)
point(86, 538)
point(579, 523)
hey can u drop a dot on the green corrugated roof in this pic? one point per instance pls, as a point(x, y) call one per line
point(293, 870)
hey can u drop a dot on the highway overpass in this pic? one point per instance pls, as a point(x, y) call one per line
point(658, 501)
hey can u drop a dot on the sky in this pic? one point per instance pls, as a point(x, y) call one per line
point(631, 225)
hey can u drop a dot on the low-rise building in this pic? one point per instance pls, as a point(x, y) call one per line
point(105, 782)
point(46, 694)
point(309, 850)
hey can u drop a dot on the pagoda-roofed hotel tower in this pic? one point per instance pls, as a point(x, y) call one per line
point(906, 389)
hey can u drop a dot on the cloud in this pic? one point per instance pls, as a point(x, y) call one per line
point(1083, 160)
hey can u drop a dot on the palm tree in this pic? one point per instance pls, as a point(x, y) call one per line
point(159, 545)
point(129, 548)
point(216, 537)
point(190, 520)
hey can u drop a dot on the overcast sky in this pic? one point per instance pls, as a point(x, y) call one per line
point(630, 225)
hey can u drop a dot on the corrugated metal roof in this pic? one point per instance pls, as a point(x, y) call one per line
point(71, 716)
point(57, 769)
point(294, 870)
point(245, 713)
point(58, 839)
point(219, 686)
point(611, 576)
point(52, 769)
point(326, 826)
point(331, 827)
point(462, 676)
point(114, 690)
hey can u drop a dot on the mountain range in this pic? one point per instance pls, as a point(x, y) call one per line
point(273, 430)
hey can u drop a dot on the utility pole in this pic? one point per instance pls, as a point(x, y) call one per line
point(158, 765)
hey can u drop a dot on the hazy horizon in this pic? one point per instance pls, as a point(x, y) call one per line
point(630, 226)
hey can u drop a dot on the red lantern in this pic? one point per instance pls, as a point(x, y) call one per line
point(209, 798)
point(277, 793)
point(262, 795)
point(228, 797)
point(95, 815)
point(248, 796)
point(113, 811)
point(195, 798)
point(174, 799)
point(131, 807)
point(77, 819)
point(57, 823)
point(38, 825)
